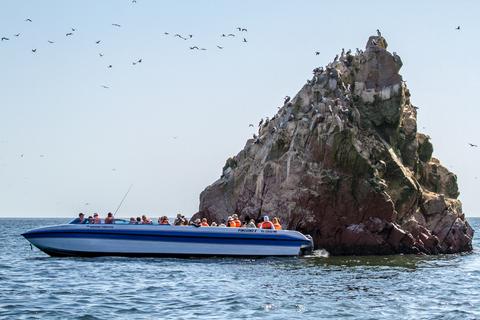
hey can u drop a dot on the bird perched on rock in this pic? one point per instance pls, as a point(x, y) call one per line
point(473, 145)
point(379, 33)
point(260, 123)
point(286, 99)
point(336, 58)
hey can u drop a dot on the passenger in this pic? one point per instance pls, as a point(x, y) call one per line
point(163, 220)
point(276, 223)
point(139, 220)
point(91, 220)
point(80, 219)
point(267, 224)
point(222, 224)
point(196, 223)
point(109, 219)
point(96, 218)
point(178, 220)
point(231, 223)
point(146, 220)
point(214, 224)
point(204, 223)
point(237, 221)
point(251, 224)
point(133, 221)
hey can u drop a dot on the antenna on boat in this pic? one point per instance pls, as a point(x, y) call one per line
point(123, 199)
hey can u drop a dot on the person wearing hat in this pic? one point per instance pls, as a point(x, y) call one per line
point(231, 223)
point(266, 224)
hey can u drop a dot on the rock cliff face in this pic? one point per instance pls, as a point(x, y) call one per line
point(343, 162)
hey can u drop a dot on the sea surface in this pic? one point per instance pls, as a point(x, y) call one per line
point(35, 286)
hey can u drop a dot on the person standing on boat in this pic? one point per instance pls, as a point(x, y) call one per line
point(80, 219)
point(109, 219)
point(267, 224)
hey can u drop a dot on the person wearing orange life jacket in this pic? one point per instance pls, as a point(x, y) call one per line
point(231, 223)
point(204, 223)
point(267, 224)
point(237, 221)
point(276, 223)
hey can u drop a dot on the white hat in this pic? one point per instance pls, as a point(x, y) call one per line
point(265, 218)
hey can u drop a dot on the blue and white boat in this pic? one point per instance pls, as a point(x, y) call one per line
point(122, 239)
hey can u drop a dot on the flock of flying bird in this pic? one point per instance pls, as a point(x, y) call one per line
point(70, 33)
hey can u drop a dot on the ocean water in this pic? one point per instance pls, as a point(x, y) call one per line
point(35, 286)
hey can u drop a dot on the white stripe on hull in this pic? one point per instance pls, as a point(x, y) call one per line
point(126, 246)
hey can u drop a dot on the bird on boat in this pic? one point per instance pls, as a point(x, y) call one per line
point(473, 145)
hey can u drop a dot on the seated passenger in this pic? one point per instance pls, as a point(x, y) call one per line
point(222, 224)
point(96, 218)
point(163, 220)
point(132, 221)
point(276, 223)
point(109, 219)
point(204, 223)
point(237, 221)
point(139, 220)
point(146, 220)
point(266, 224)
point(251, 224)
point(91, 220)
point(180, 220)
point(80, 219)
point(214, 224)
point(231, 223)
point(196, 223)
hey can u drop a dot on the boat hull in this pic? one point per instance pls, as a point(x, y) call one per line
point(165, 241)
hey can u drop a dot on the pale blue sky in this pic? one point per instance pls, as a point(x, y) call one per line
point(52, 104)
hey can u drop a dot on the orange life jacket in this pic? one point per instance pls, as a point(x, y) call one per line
point(267, 225)
point(204, 224)
point(164, 222)
point(238, 223)
point(277, 226)
point(232, 224)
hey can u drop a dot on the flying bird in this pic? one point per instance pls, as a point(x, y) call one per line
point(190, 36)
point(116, 25)
point(245, 40)
point(98, 41)
point(73, 29)
point(109, 66)
point(50, 41)
point(139, 61)
point(5, 38)
point(100, 54)
point(219, 47)
point(317, 53)
point(17, 35)
point(457, 28)
point(34, 50)
point(134, 1)
point(230, 35)
point(28, 20)
point(203, 49)
point(473, 145)
point(194, 47)
point(69, 34)
point(250, 125)
point(105, 87)
point(166, 33)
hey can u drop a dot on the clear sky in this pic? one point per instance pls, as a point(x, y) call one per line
point(167, 124)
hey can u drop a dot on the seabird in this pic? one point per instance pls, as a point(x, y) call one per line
point(317, 53)
point(73, 29)
point(116, 25)
point(244, 29)
point(230, 35)
point(109, 66)
point(100, 54)
point(219, 47)
point(28, 20)
point(223, 35)
point(336, 58)
point(5, 38)
point(203, 49)
point(379, 33)
point(68, 34)
point(166, 33)
point(134, 63)
point(250, 125)
point(97, 42)
point(139, 61)
point(50, 41)
point(105, 87)
point(473, 145)
point(17, 35)
point(286, 99)
point(34, 50)
point(194, 47)
point(239, 29)
point(190, 36)
point(245, 40)
point(349, 52)
point(260, 123)
point(457, 28)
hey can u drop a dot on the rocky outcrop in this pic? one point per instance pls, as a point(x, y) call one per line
point(343, 162)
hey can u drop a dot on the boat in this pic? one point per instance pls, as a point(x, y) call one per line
point(131, 240)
